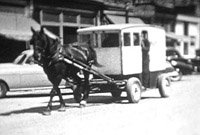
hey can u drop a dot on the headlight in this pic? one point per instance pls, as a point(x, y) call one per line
point(174, 63)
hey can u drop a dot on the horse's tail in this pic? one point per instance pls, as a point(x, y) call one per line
point(94, 57)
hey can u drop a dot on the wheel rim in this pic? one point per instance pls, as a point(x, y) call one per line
point(136, 91)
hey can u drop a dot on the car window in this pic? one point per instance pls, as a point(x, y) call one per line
point(172, 53)
point(20, 59)
point(30, 60)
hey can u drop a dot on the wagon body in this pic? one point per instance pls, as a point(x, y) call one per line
point(118, 49)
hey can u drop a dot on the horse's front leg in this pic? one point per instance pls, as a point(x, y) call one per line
point(47, 111)
point(62, 103)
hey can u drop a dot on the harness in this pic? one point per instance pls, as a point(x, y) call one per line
point(59, 56)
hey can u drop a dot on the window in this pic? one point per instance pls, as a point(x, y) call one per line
point(110, 39)
point(127, 41)
point(186, 28)
point(70, 17)
point(53, 29)
point(85, 39)
point(90, 39)
point(50, 16)
point(185, 48)
point(136, 39)
point(86, 19)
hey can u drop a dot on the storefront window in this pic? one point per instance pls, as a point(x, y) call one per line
point(70, 17)
point(87, 19)
point(50, 16)
point(53, 29)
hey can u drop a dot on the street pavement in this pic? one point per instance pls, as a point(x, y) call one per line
point(21, 113)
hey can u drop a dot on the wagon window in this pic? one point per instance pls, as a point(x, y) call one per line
point(127, 41)
point(87, 39)
point(110, 39)
point(136, 39)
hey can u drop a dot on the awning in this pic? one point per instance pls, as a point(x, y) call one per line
point(121, 19)
point(176, 37)
point(18, 27)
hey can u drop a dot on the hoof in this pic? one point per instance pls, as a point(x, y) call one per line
point(61, 109)
point(82, 104)
point(46, 112)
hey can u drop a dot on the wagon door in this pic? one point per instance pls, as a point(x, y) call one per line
point(131, 52)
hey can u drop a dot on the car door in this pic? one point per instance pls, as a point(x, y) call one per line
point(32, 75)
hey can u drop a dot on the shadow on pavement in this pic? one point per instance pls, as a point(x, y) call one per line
point(94, 100)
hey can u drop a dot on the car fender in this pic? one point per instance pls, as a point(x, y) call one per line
point(1, 80)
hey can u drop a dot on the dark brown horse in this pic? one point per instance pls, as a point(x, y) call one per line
point(50, 54)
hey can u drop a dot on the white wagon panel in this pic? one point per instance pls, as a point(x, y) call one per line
point(157, 49)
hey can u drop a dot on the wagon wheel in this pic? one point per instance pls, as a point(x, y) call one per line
point(164, 85)
point(134, 90)
point(77, 90)
point(3, 89)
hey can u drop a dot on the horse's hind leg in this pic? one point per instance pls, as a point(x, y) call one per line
point(86, 90)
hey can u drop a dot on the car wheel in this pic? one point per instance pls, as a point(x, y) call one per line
point(164, 85)
point(134, 90)
point(3, 89)
point(178, 77)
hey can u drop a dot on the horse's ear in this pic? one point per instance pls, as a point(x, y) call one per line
point(42, 30)
point(32, 30)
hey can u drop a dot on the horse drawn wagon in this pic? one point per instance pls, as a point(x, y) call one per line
point(131, 56)
point(119, 50)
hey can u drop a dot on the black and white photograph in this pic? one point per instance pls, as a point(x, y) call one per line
point(99, 67)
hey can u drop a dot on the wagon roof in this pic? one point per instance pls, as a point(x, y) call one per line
point(113, 27)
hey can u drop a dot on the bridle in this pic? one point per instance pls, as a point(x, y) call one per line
point(44, 56)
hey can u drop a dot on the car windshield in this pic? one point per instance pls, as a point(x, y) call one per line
point(20, 59)
point(173, 53)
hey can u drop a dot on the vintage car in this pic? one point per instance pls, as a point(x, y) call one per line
point(182, 65)
point(22, 74)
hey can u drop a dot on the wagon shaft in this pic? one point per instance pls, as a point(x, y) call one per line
point(87, 68)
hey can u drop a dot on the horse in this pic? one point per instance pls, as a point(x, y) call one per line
point(49, 53)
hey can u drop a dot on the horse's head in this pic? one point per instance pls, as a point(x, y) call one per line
point(44, 43)
point(39, 41)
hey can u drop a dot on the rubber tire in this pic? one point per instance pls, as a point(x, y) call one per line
point(163, 85)
point(134, 90)
point(177, 78)
point(3, 89)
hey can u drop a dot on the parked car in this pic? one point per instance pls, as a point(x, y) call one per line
point(196, 61)
point(182, 65)
point(174, 74)
point(22, 74)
